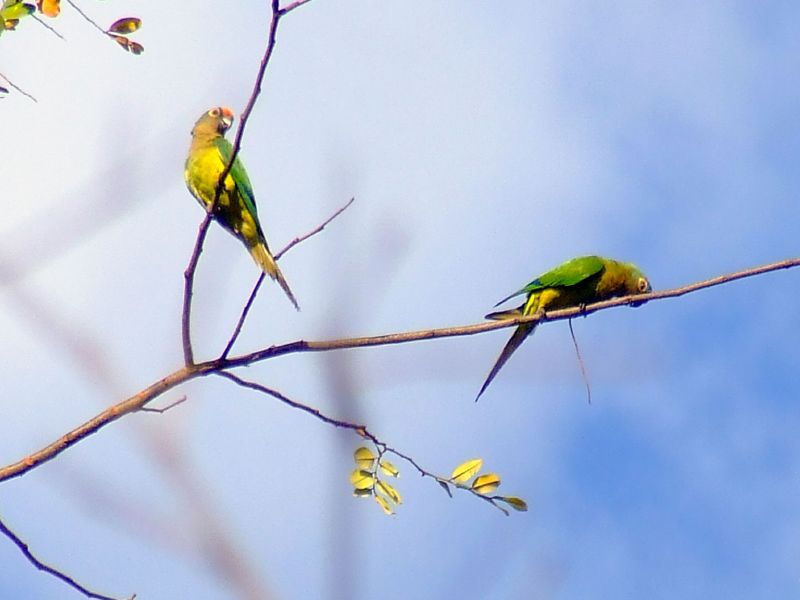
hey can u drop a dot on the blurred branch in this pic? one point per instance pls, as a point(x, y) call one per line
point(238, 329)
point(188, 353)
point(16, 87)
point(48, 569)
point(87, 17)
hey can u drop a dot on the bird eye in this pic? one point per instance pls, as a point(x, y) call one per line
point(214, 112)
point(643, 285)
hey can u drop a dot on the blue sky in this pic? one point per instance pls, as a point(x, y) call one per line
point(484, 145)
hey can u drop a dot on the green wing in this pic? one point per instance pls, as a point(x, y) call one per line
point(567, 274)
point(238, 174)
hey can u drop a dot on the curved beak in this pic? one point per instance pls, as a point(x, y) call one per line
point(227, 117)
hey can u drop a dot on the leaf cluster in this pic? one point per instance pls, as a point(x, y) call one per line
point(367, 479)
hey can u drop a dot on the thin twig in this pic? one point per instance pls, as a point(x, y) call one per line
point(238, 329)
point(23, 547)
point(50, 27)
point(240, 323)
point(580, 362)
point(292, 6)
point(316, 230)
point(16, 87)
point(361, 430)
point(164, 409)
point(147, 395)
point(87, 17)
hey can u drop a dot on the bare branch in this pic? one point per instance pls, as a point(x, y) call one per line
point(142, 398)
point(164, 409)
point(317, 229)
point(87, 17)
point(238, 329)
point(292, 6)
point(188, 285)
point(46, 26)
point(16, 87)
point(48, 569)
point(360, 429)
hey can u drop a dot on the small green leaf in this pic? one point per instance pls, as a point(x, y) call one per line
point(466, 470)
point(486, 484)
point(389, 490)
point(364, 457)
point(515, 502)
point(362, 480)
point(389, 468)
point(384, 504)
point(126, 25)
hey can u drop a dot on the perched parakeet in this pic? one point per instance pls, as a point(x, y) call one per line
point(576, 282)
point(235, 210)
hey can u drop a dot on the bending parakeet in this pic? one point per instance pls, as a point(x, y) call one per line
point(235, 210)
point(576, 282)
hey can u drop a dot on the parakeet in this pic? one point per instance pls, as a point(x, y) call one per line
point(235, 209)
point(576, 282)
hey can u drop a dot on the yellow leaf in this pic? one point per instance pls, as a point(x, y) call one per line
point(389, 468)
point(362, 493)
point(126, 25)
point(466, 470)
point(515, 503)
point(364, 457)
point(362, 480)
point(486, 484)
point(392, 493)
point(384, 504)
point(49, 8)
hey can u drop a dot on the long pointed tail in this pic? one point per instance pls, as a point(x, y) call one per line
point(513, 343)
point(263, 258)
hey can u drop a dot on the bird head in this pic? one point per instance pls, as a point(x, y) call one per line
point(218, 120)
point(637, 283)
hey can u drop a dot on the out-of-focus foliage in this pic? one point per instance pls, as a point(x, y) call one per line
point(14, 10)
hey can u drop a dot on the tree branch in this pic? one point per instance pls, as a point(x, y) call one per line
point(23, 547)
point(188, 372)
point(238, 329)
point(16, 87)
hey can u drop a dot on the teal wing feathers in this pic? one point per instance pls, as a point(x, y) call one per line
point(238, 174)
point(567, 274)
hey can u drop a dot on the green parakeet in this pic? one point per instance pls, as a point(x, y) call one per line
point(235, 210)
point(576, 282)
